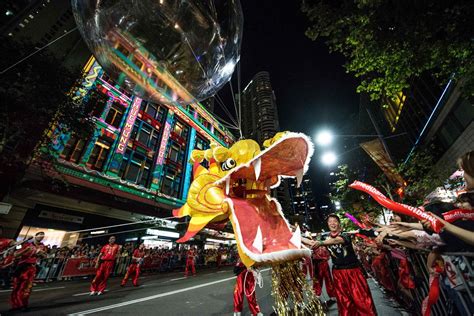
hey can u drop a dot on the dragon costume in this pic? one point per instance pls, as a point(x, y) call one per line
point(236, 186)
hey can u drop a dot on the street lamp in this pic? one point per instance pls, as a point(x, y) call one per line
point(329, 158)
point(324, 138)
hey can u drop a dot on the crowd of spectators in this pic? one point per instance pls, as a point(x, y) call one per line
point(157, 259)
point(410, 260)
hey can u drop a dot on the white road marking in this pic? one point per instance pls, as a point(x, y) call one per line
point(86, 293)
point(148, 298)
point(179, 279)
point(38, 290)
point(81, 294)
point(221, 271)
point(144, 299)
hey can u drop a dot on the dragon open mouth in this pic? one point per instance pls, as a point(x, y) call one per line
point(261, 229)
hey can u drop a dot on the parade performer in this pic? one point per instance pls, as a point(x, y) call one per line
point(351, 289)
point(5, 268)
point(26, 271)
point(5, 242)
point(104, 266)
point(322, 273)
point(245, 285)
point(190, 258)
point(134, 267)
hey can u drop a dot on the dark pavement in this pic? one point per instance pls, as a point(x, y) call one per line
point(208, 293)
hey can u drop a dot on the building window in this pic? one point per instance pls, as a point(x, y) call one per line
point(174, 153)
point(136, 168)
point(155, 111)
point(180, 129)
point(123, 50)
point(171, 183)
point(99, 154)
point(144, 134)
point(201, 144)
point(73, 150)
point(137, 62)
point(115, 115)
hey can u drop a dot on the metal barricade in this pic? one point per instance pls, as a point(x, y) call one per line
point(456, 284)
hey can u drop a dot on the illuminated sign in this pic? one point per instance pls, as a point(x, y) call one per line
point(127, 129)
point(164, 233)
point(164, 140)
point(92, 68)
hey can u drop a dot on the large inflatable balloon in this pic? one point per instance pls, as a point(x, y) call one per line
point(168, 51)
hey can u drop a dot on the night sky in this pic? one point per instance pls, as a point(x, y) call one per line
point(311, 86)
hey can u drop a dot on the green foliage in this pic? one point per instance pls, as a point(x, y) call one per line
point(389, 43)
point(420, 174)
point(352, 201)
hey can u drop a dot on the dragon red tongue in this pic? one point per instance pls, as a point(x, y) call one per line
point(261, 214)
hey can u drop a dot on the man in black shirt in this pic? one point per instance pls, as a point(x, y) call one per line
point(351, 288)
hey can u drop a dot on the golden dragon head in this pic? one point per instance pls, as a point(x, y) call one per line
point(236, 187)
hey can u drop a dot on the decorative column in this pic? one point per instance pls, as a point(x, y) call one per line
point(189, 166)
point(155, 184)
point(122, 141)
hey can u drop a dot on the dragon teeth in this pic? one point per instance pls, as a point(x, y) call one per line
point(258, 241)
point(257, 166)
point(227, 186)
point(299, 177)
point(296, 239)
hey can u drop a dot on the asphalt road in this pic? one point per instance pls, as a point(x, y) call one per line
point(208, 293)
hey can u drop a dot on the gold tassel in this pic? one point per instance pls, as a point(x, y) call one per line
point(293, 295)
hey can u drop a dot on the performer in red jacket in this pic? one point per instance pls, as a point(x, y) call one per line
point(5, 243)
point(104, 265)
point(245, 284)
point(26, 271)
point(350, 286)
point(134, 267)
point(190, 256)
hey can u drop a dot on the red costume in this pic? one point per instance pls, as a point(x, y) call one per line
point(134, 267)
point(25, 274)
point(4, 244)
point(380, 266)
point(245, 284)
point(351, 289)
point(322, 272)
point(190, 255)
point(109, 253)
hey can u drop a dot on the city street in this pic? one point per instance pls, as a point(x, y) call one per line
point(208, 293)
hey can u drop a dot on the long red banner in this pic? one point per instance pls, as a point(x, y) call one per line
point(79, 267)
point(416, 212)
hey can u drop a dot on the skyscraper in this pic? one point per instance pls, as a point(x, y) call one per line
point(303, 203)
point(259, 109)
point(40, 22)
point(260, 122)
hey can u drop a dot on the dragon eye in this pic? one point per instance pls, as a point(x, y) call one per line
point(228, 164)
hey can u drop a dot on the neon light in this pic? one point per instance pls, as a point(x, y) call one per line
point(429, 119)
point(189, 166)
point(164, 140)
point(127, 128)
